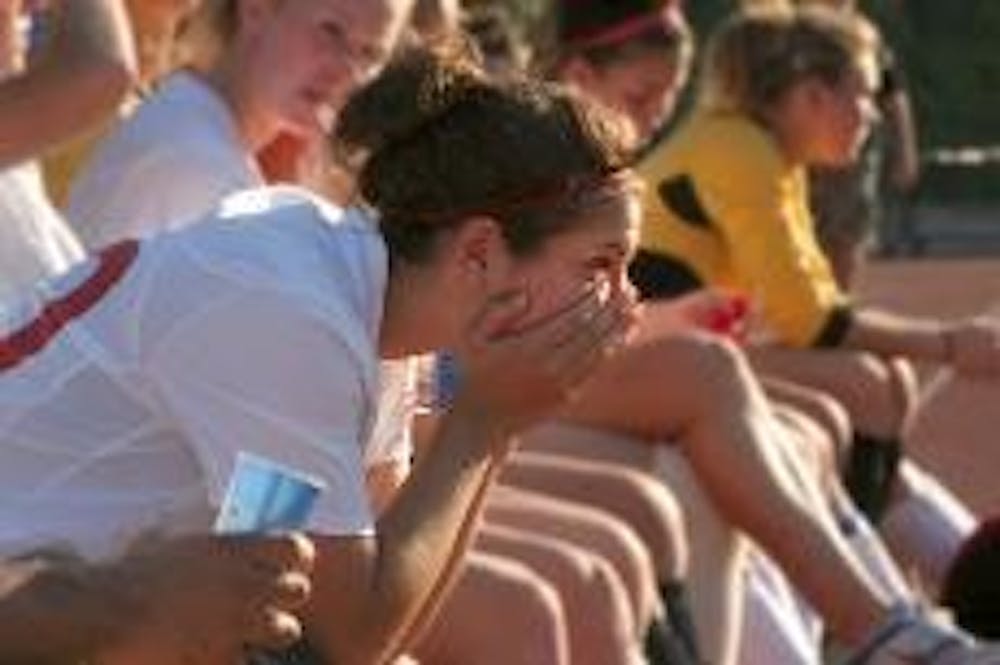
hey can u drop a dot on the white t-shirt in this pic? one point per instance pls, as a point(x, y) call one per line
point(34, 241)
point(170, 162)
point(256, 330)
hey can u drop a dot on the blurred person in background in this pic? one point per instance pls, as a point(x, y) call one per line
point(84, 73)
point(155, 25)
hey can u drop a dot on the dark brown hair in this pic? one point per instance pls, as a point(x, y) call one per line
point(442, 141)
point(760, 53)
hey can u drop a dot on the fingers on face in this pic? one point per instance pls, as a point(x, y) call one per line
point(583, 335)
point(595, 339)
point(498, 316)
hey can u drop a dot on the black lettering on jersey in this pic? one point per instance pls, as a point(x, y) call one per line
point(679, 196)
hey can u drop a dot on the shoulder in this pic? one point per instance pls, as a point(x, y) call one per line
point(729, 143)
point(183, 126)
point(709, 140)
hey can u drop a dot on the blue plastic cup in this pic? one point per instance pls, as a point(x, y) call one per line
point(264, 496)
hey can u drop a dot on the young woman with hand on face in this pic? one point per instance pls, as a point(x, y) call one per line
point(262, 327)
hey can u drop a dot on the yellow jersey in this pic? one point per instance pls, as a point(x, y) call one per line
point(725, 206)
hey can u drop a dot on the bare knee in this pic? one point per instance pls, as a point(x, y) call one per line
point(638, 570)
point(607, 589)
point(905, 387)
point(628, 492)
point(712, 369)
point(668, 540)
point(536, 617)
point(533, 627)
point(835, 421)
point(596, 605)
point(884, 393)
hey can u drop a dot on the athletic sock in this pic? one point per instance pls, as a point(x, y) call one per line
point(871, 472)
point(663, 646)
point(674, 594)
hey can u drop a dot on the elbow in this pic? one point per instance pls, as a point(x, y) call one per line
point(109, 82)
point(100, 78)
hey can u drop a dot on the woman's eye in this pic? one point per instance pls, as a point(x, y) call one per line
point(599, 264)
point(335, 33)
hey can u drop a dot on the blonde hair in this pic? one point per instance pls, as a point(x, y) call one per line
point(209, 29)
point(761, 52)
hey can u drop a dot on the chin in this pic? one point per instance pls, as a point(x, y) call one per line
point(838, 159)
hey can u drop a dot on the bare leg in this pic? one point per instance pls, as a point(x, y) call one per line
point(631, 494)
point(879, 395)
point(702, 393)
point(924, 523)
point(588, 528)
point(716, 548)
point(597, 609)
point(532, 630)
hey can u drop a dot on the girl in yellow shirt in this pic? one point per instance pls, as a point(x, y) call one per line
point(727, 206)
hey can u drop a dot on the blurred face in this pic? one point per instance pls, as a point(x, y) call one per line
point(154, 24)
point(826, 124)
point(596, 249)
point(643, 87)
point(843, 118)
point(307, 56)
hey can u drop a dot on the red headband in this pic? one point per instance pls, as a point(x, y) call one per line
point(607, 182)
point(669, 18)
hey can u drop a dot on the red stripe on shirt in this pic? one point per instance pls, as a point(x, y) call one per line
point(112, 264)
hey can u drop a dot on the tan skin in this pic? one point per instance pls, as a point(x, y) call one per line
point(197, 599)
point(90, 60)
point(293, 63)
point(643, 87)
point(532, 329)
point(904, 168)
point(154, 23)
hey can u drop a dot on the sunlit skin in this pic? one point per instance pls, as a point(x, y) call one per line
point(825, 124)
point(474, 265)
point(642, 86)
point(293, 64)
point(154, 23)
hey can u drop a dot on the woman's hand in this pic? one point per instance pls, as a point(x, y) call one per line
point(517, 374)
point(207, 599)
point(714, 310)
point(973, 347)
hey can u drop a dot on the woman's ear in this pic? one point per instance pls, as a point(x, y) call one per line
point(477, 253)
point(815, 95)
point(577, 72)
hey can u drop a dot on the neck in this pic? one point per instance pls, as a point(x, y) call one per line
point(416, 311)
point(784, 132)
point(254, 128)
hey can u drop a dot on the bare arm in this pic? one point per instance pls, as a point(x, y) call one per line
point(371, 591)
point(376, 588)
point(79, 81)
point(970, 346)
point(10, 40)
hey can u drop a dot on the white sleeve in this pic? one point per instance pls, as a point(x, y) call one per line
point(391, 439)
point(164, 188)
point(256, 372)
